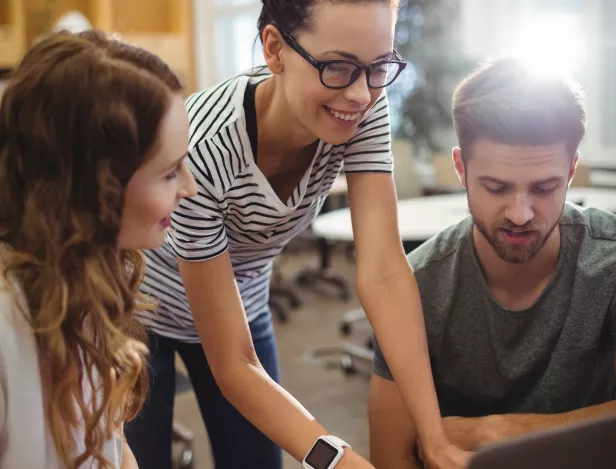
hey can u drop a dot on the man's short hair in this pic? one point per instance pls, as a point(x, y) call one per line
point(504, 101)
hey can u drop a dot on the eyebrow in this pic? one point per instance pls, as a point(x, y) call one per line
point(176, 162)
point(350, 56)
point(552, 179)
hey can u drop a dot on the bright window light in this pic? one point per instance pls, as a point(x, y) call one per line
point(551, 44)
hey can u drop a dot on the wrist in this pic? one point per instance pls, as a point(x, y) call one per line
point(328, 452)
point(433, 442)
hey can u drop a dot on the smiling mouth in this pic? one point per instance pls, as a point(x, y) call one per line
point(345, 116)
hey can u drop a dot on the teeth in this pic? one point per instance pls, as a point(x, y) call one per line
point(345, 117)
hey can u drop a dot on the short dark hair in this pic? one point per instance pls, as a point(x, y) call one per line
point(505, 101)
point(294, 15)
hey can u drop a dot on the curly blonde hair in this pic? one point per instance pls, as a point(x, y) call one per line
point(77, 119)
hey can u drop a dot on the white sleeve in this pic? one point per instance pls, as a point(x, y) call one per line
point(369, 150)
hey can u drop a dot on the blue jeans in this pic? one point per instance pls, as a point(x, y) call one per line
point(235, 442)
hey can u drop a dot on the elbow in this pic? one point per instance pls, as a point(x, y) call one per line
point(231, 373)
point(377, 279)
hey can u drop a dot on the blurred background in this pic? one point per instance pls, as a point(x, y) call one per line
point(323, 337)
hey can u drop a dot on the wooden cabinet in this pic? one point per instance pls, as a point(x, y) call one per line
point(161, 26)
point(12, 33)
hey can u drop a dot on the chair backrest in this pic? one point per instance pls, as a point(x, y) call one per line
point(408, 182)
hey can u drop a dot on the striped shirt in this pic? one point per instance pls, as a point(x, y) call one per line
point(237, 210)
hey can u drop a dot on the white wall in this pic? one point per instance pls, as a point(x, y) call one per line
point(488, 29)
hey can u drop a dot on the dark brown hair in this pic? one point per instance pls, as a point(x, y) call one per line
point(506, 102)
point(77, 119)
point(296, 15)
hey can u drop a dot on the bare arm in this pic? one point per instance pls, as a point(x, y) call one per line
point(389, 294)
point(128, 458)
point(392, 432)
point(221, 322)
point(471, 433)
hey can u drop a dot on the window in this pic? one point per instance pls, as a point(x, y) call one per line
point(225, 33)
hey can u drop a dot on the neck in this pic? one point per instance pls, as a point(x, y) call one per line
point(517, 277)
point(279, 130)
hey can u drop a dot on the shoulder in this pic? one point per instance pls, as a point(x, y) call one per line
point(591, 234)
point(439, 251)
point(215, 109)
point(596, 224)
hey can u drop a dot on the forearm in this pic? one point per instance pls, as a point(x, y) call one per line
point(270, 408)
point(520, 424)
point(393, 307)
point(471, 433)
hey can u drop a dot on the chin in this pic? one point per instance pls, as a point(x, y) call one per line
point(337, 138)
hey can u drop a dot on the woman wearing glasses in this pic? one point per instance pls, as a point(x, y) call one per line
point(265, 150)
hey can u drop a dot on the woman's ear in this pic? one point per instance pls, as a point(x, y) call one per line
point(272, 48)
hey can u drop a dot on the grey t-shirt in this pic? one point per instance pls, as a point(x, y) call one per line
point(553, 357)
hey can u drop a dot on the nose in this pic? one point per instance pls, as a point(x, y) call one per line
point(188, 186)
point(359, 91)
point(520, 210)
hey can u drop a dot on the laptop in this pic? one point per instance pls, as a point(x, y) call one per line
point(590, 445)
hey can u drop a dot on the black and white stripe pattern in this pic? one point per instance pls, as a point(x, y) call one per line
point(237, 210)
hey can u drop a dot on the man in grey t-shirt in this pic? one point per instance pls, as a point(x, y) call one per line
point(520, 298)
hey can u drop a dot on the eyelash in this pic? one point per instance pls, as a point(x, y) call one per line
point(537, 190)
point(500, 190)
point(173, 174)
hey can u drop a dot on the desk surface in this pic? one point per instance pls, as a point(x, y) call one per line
point(421, 218)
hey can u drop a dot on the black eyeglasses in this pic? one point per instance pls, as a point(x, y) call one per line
point(338, 74)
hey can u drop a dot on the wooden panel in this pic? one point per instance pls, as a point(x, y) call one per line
point(10, 50)
point(40, 15)
point(12, 37)
point(5, 13)
point(144, 16)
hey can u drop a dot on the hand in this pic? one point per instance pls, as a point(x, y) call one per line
point(444, 456)
point(352, 460)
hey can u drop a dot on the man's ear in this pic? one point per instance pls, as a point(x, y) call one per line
point(458, 164)
point(272, 48)
point(573, 167)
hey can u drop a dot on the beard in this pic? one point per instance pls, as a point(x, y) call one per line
point(509, 252)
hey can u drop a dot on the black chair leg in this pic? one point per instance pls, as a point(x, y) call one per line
point(323, 275)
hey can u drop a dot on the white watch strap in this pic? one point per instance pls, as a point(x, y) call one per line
point(337, 441)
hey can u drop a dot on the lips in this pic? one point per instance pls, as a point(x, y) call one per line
point(166, 222)
point(517, 236)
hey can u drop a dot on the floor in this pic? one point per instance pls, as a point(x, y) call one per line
point(338, 402)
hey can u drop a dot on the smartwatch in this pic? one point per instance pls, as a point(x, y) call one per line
point(325, 453)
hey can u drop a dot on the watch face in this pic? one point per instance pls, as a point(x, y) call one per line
point(321, 455)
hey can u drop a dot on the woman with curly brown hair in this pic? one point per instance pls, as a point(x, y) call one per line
point(93, 135)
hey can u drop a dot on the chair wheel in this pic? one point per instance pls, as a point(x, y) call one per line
point(187, 461)
point(347, 365)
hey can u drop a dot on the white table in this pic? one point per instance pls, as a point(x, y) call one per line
point(421, 218)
